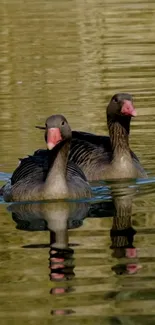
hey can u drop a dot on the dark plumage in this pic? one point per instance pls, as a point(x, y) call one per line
point(102, 157)
point(53, 177)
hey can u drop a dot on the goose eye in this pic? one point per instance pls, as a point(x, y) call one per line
point(115, 99)
point(62, 123)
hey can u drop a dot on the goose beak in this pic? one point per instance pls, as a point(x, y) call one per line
point(128, 108)
point(53, 137)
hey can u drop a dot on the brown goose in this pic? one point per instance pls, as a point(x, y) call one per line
point(52, 178)
point(102, 157)
point(116, 161)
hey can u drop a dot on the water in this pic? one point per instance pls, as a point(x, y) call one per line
point(70, 57)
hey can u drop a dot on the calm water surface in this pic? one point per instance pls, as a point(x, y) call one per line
point(78, 263)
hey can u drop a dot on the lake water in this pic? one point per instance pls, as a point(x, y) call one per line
point(75, 262)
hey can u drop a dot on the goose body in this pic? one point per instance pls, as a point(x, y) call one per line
point(110, 158)
point(103, 157)
point(37, 178)
point(98, 164)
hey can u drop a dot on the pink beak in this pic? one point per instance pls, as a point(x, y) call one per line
point(53, 137)
point(128, 109)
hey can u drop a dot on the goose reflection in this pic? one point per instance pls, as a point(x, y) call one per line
point(57, 218)
point(122, 233)
point(43, 216)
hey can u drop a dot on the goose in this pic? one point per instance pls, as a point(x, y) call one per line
point(103, 157)
point(55, 177)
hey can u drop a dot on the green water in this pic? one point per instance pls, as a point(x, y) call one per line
point(70, 57)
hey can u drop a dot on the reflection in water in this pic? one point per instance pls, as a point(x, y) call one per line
point(61, 269)
point(57, 217)
point(69, 57)
point(122, 233)
point(109, 283)
point(43, 216)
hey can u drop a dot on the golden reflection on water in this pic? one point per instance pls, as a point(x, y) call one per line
point(70, 57)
